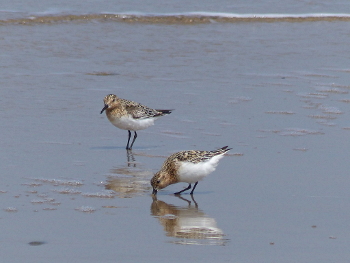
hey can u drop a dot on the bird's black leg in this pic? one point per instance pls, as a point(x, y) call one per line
point(127, 145)
point(135, 136)
point(193, 188)
point(188, 187)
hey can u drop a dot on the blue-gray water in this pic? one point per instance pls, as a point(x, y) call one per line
point(276, 92)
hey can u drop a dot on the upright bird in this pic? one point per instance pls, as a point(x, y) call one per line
point(187, 166)
point(130, 115)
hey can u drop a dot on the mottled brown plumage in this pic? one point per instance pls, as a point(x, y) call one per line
point(130, 115)
point(187, 166)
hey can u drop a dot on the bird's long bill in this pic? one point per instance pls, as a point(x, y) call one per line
point(154, 191)
point(105, 107)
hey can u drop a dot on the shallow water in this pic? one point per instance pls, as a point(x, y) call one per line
point(277, 93)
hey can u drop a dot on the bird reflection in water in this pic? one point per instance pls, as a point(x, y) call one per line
point(130, 158)
point(188, 224)
point(128, 180)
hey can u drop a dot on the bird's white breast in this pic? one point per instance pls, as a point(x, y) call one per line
point(193, 172)
point(129, 123)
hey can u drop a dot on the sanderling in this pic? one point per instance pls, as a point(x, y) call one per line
point(130, 115)
point(187, 166)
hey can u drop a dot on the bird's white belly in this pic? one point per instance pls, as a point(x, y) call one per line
point(129, 123)
point(193, 172)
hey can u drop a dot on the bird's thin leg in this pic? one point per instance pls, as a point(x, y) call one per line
point(127, 145)
point(194, 188)
point(188, 187)
point(135, 136)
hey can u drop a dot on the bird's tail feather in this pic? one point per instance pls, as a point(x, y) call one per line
point(222, 150)
point(165, 111)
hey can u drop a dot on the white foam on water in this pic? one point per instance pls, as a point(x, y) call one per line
point(57, 12)
point(233, 15)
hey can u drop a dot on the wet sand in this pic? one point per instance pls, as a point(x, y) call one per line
point(277, 93)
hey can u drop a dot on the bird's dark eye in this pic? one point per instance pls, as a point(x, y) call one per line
point(158, 181)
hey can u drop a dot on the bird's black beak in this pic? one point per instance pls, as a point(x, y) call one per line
point(105, 107)
point(154, 191)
